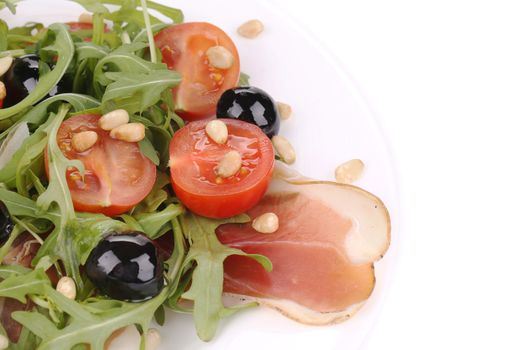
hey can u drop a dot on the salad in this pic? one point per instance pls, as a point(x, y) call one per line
point(142, 173)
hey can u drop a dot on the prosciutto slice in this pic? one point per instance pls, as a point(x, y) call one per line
point(323, 252)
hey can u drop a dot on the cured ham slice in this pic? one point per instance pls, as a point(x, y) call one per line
point(323, 252)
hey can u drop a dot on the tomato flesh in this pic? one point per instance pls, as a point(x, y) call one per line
point(194, 158)
point(77, 26)
point(117, 175)
point(183, 48)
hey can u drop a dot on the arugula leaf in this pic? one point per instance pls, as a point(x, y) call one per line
point(31, 148)
point(7, 271)
point(10, 4)
point(91, 229)
point(60, 243)
point(22, 38)
point(85, 50)
point(39, 113)
point(156, 197)
point(146, 88)
point(85, 326)
point(142, 36)
point(30, 154)
point(18, 286)
point(208, 276)
point(120, 60)
point(154, 222)
point(64, 49)
point(58, 191)
point(159, 137)
point(147, 24)
point(13, 142)
point(94, 6)
point(172, 13)
point(3, 35)
point(19, 205)
point(244, 80)
point(27, 340)
point(147, 149)
point(131, 16)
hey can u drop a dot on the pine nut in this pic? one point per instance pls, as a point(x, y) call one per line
point(266, 223)
point(152, 339)
point(5, 64)
point(220, 57)
point(217, 131)
point(285, 110)
point(349, 172)
point(251, 29)
point(66, 287)
point(230, 164)
point(3, 92)
point(84, 140)
point(4, 342)
point(85, 18)
point(113, 119)
point(284, 149)
point(132, 132)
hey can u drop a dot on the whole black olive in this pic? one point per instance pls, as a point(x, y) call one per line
point(126, 266)
point(22, 77)
point(251, 105)
point(6, 225)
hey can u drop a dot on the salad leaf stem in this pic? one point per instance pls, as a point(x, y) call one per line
point(152, 49)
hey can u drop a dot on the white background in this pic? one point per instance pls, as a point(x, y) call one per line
point(446, 80)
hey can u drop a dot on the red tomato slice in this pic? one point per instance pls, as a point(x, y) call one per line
point(117, 175)
point(76, 26)
point(183, 48)
point(194, 157)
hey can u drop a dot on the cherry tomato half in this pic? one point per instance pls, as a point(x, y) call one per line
point(183, 48)
point(77, 26)
point(194, 158)
point(117, 175)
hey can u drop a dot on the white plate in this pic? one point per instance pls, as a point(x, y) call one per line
point(330, 124)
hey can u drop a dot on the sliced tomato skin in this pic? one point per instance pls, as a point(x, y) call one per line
point(183, 47)
point(231, 196)
point(76, 26)
point(107, 156)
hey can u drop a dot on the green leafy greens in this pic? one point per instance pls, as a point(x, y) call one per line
point(209, 255)
point(108, 69)
point(62, 46)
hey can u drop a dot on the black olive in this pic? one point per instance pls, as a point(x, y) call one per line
point(6, 224)
point(22, 77)
point(251, 105)
point(126, 266)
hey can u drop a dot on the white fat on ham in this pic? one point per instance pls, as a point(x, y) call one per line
point(296, 311)
point(369, 237)
point(365, 242)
